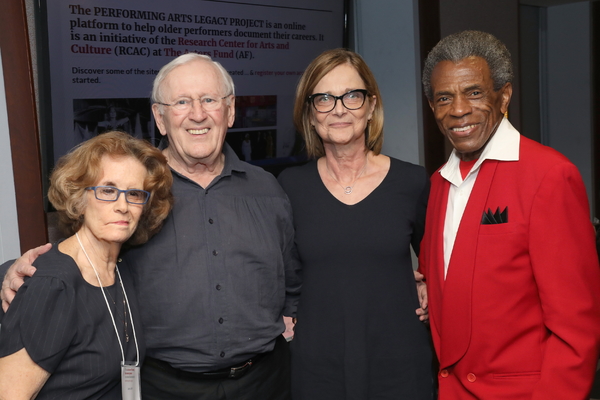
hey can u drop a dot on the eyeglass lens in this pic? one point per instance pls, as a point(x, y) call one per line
point(109, 193)
point(352, 100)
point(207, 103)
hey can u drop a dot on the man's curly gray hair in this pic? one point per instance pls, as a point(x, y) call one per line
point(461, 45)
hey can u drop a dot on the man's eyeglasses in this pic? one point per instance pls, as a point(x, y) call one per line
point(325, 102)
point(111, 193)
point(185, 104)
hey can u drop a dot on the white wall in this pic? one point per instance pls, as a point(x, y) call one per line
point(568, 90)
point(386, 35)
point(9, 229)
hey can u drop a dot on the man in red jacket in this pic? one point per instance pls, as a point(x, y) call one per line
point(508, 251)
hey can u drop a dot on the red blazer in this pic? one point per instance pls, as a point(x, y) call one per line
point(518, 316)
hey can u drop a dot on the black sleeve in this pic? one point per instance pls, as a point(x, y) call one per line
point(4, 267)
point(41, 319)
point(421, 211)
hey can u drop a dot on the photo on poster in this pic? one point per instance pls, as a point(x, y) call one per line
point(248, 136)
point(253, 146)
point(255, 111)
point(92, 117)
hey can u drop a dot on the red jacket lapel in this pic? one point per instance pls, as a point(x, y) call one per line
point(457, 289)
point(432, 256)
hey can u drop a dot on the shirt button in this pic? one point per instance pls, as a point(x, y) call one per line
point(444, 373)
point(210, 221)
point(471, 377)
point(222, 354)
point(218, 287)
point(215, 252)
point(220, 320)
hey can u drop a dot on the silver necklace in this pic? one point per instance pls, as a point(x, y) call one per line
point(348, 189)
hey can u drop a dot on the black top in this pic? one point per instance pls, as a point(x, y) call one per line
point(215, 280)
point(63, 323)
point(357, 335)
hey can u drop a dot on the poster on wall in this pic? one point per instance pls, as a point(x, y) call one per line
point(101, 57)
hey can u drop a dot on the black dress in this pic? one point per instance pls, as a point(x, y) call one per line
point(63, 323)
point(357, 335)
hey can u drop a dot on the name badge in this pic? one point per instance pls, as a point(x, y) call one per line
point(130, 381)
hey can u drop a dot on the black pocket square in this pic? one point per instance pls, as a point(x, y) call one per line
point(498, 217)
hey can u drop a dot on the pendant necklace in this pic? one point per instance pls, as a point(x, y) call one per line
point(348, 189)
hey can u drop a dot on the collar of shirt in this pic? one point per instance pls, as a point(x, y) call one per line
point(503, 146)
point(232, 161)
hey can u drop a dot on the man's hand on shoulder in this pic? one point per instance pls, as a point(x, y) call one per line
point(17, 272)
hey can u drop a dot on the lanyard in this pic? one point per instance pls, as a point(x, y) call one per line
point(108, 307)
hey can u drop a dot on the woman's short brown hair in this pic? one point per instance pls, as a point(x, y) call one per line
point(317, 69)
point(80, 168)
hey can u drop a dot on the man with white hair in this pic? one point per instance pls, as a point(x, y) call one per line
point(214, 284)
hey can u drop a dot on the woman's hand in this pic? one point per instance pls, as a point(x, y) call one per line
point(422, 312)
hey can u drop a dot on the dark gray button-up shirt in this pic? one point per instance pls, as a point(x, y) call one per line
point(214, 283)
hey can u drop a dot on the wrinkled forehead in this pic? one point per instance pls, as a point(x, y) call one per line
point(193, 78)
point(468, 71)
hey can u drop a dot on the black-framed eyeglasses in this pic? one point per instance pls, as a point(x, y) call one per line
point(111, 193)
point(325, 102)
point(185, 104)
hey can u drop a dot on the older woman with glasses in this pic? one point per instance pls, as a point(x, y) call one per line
point(73, 330)
point(356, 214)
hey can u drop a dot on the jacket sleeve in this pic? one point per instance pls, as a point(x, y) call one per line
point(566, 271)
